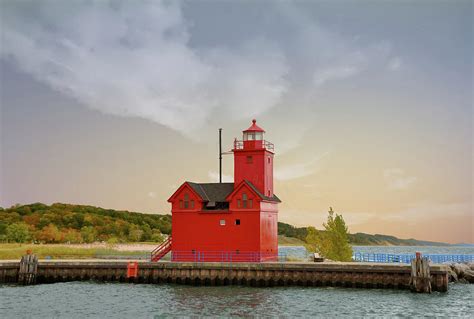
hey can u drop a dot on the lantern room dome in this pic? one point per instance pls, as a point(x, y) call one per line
point(254, 127)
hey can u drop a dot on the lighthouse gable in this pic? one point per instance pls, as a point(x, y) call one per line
point(185, 199)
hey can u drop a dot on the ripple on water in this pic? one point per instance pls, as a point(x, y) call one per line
point(99, 300)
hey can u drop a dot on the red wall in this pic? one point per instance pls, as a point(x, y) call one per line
point(269, 229)
point(259, 172)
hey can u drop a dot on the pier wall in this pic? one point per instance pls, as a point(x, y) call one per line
point(358, 275)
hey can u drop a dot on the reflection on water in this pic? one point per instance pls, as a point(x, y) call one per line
point(80, 299)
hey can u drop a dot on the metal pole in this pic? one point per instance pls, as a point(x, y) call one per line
point(220, 155)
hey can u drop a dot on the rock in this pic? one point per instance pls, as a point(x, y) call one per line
point(459, 269)
point(468, 275)
point(471, 265)
point(452, 277)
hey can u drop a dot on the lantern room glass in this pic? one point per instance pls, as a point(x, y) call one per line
point(253, 136)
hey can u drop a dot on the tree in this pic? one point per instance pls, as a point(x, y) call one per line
point(49, 234)
point(88, 234)
point(156, 236)
point(135, 233)
point(71, 235)
point(333, 243)
point(18, 233)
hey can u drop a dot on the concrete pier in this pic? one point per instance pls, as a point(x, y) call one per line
point(358, 275)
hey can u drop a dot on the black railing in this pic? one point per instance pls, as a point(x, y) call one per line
point(239, 145)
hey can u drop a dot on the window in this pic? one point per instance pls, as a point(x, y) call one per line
point(258, 136)
point(269, 160)
point(237, 222)
point(244, 200)
point(238, 203)
point(250, 203)
point(250, 136)
point(249, 159)
point(222, 222)
point(186, 200)
point(180, 204)
point(268, 193)
point(192, 203)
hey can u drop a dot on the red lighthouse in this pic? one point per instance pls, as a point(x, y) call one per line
point(228, 221)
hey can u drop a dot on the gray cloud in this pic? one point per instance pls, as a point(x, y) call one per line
point(135, 59)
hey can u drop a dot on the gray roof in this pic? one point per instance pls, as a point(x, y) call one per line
point(213, 192)
point(218, 192)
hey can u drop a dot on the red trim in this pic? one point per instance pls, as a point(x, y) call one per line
point(185, 184)
point(236, 189)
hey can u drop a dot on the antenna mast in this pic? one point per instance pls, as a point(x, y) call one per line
point(220, 155)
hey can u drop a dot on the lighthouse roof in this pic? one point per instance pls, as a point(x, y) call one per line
point(212, 192)
point(254, 127)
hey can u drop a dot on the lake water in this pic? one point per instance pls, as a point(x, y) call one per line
point(300, 251)
point(116, 300)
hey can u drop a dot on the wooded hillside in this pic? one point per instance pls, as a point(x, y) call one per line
point(79, 223)
point(59, 223)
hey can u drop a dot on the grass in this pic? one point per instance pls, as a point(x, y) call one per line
point(15, 251)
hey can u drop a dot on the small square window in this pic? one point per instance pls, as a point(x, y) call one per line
point(237, 221)
point(222, 222)
point(249, 159)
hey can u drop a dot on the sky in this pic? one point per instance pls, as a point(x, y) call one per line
point(368, 103)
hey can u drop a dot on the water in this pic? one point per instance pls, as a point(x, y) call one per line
point(115, 300)
point(301, 253)
point(103, 300)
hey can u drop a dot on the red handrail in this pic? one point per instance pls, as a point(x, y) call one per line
point(161, 250)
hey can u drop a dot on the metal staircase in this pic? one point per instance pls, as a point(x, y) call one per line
point(160, 251)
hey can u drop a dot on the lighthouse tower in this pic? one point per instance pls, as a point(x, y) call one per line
point(228, 222)
point(253, 160)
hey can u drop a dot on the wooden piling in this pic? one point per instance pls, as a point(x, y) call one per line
point(28, 270)
point(420, 280)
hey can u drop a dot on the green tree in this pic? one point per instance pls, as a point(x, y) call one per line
point(333, 243)
point(18, 233)
point(156, 236)
point(135, 233)
point(88, 234)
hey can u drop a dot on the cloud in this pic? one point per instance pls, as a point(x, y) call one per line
point(214, 177)
point(134, 59)
point(299, 170)
point(396, 179)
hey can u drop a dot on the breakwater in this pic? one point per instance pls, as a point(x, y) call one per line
point(358, 275)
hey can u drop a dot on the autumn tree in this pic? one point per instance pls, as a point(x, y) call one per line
point(49, 234)
point(333, 243)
